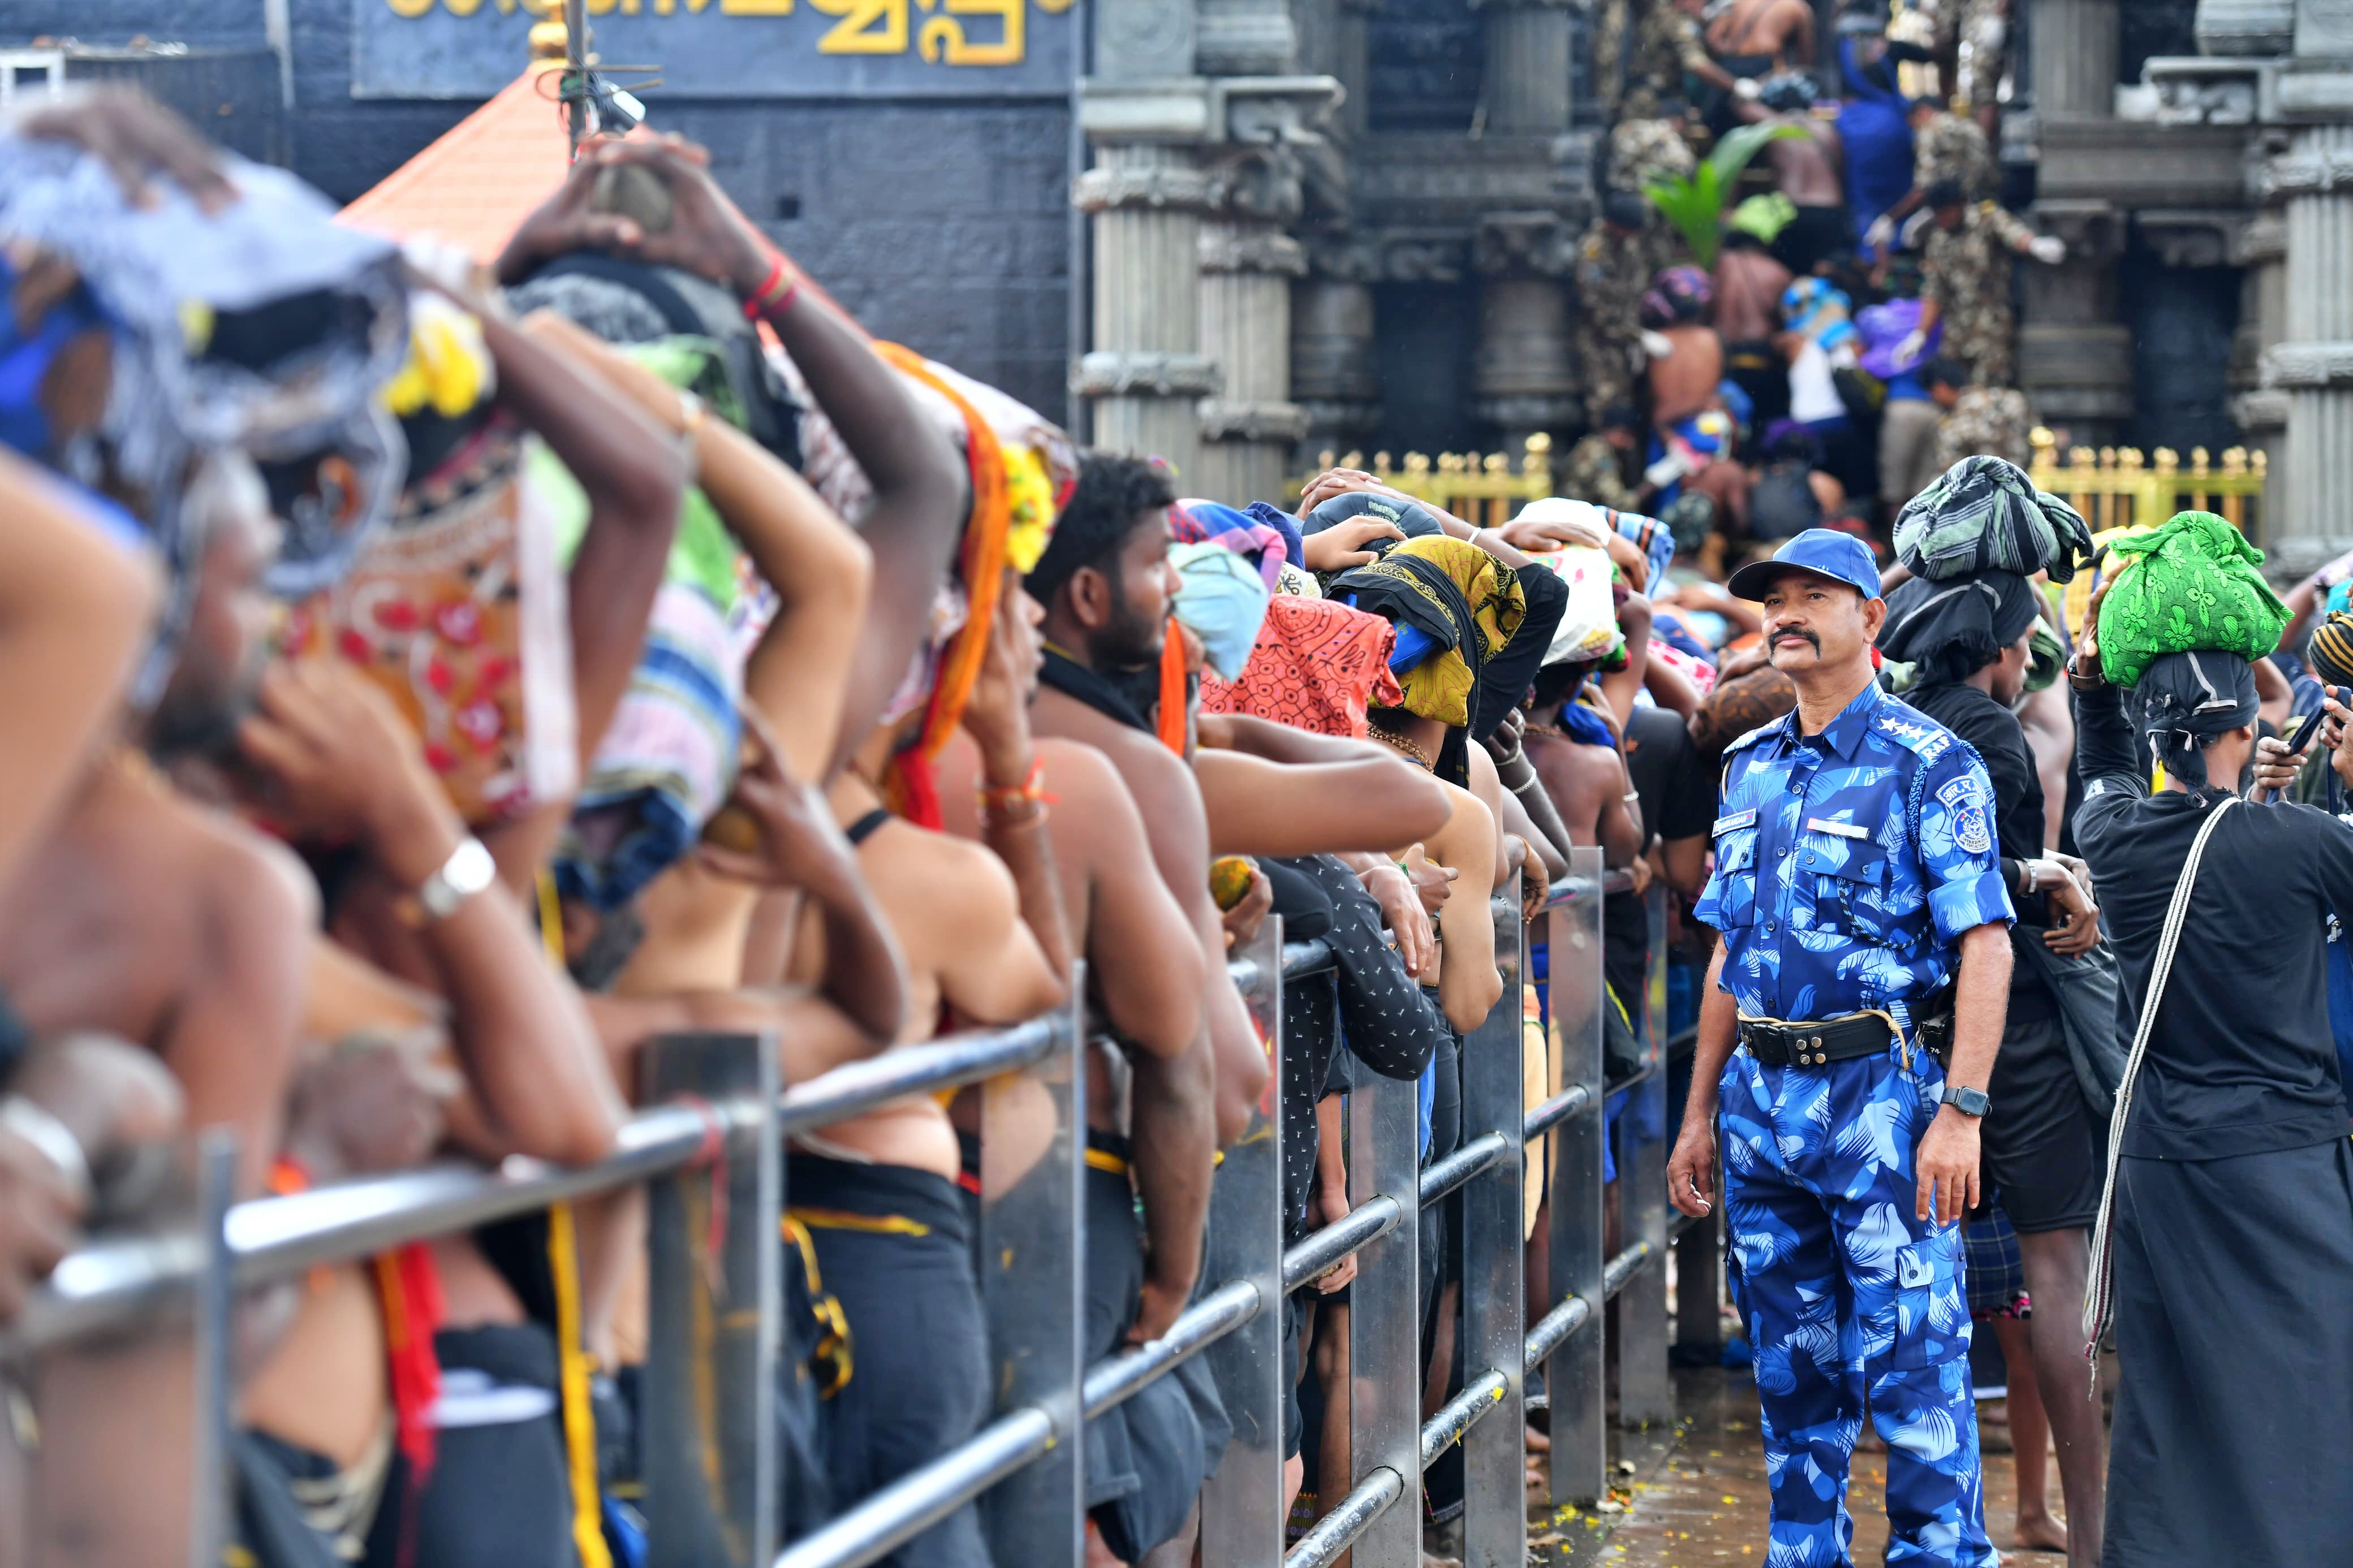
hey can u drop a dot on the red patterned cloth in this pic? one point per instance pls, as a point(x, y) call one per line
point(1317, 664)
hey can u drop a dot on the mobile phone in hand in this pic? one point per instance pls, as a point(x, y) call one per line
point(2310, 727)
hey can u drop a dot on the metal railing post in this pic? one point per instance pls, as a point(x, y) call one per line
point(1573, 1377)
point(1494, 1299)
point(714, 1323)
point(1644, 1394)
point(215, 1328)
point(1384, 1320)
point(1033, 1283)
point(1241, 1506)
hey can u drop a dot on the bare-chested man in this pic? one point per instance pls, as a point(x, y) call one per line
point(1107, 586)
point(1748, 284)
point(982, 930)
point(1750, 37)
point(1810, 168)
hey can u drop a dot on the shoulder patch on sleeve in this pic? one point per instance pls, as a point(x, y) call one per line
point(1922, 737)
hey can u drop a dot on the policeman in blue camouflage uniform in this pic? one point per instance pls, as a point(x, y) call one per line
point(1863, 975)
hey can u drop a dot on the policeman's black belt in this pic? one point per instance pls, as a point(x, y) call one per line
point(1818, 1045)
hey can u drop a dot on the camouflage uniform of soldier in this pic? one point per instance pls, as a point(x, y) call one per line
point(1613, 267)
point(1951, 147)
point(1984, 419)
point(1966, 271)
point(1592, 473)
point(1642, 151)
point(1983, 36)
point(1665, 47)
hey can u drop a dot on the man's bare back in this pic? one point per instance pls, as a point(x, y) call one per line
point(1808, 168)
point(1778, 30)
point(1748, 285)
point(1684, 382)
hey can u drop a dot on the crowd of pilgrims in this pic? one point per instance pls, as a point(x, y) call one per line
point(1814, 347)
point(427, 687)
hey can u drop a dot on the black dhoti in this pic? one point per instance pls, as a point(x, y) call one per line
point(2235, 1416)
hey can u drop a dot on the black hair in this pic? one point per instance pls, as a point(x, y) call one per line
point(1793, 441)
point(1944, 371)
point(1113, 493)
point(1556, 681)
point(1942, 194)
point(1620, 416)
point(1626, 209)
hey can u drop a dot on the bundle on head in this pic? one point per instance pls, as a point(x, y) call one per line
point(2194, 585)
point(1984, 515)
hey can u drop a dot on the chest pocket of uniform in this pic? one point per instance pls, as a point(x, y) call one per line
point(1850, 883)
point(1736, 875)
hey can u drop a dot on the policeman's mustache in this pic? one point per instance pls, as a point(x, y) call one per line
point(1798, 632)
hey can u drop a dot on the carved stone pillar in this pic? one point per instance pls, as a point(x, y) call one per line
point(1524, 374)
point(2312, 363)
point(1333, 376)
point(1247, 263)
point(1146, 373)
point(2075, 358)
point(2259, 411)
point(1528, 75)
point(2074, 59)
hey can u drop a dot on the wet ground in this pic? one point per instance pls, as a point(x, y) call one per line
point(1695, 1497)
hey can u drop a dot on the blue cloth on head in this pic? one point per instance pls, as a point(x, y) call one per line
point(1413, 645)
point(1282, 523)
point(1221, 597)
point(1584, 726)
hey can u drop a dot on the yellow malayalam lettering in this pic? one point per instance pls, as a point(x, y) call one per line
point(941, 40)
point(867, 27)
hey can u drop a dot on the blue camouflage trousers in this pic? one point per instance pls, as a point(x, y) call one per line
point(1853, 1304)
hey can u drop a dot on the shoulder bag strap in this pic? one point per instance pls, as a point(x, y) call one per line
point(2099, 1300)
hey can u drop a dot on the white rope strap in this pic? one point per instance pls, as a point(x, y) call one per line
point(2099, 1300)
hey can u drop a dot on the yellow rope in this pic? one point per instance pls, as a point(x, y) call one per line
point(579, 1426)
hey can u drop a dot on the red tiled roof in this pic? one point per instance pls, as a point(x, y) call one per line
point(477, 182)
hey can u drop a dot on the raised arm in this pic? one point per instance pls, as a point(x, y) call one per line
point(334, 744)
point(821, 572)
point(635, 474)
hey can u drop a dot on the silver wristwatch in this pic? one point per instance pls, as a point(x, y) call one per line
point(469, 870)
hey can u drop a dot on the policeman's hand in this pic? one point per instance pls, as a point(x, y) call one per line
point(1691, 1169)
point(1882, 230)
point(1947, 1163)
point(2047, 249)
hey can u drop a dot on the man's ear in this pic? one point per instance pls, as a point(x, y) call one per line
point(1874, 615)
point(1091, 598)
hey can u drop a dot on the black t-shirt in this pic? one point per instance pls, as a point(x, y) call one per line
point(2240, 1060)
point(2019, 818)
point(1678, 801)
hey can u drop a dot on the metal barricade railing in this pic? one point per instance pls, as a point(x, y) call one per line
point(709, 1417)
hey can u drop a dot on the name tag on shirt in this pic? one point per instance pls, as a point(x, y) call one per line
point(1843, 829)
point(1737, 819)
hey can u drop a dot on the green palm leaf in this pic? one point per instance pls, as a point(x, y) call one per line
point(1695, 202)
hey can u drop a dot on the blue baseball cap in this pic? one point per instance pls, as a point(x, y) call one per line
point(1825, 552)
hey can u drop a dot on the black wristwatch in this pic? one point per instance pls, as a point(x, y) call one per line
point(1967, 1102)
